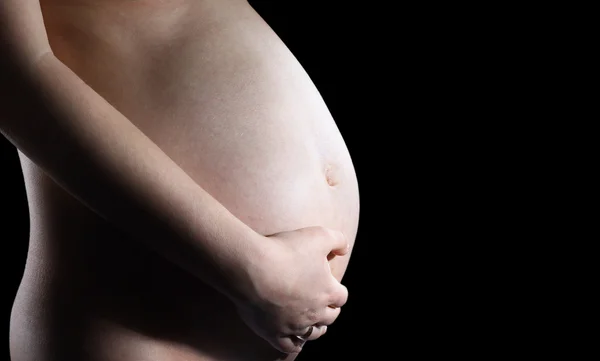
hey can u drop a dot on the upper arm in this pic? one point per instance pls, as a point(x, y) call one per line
point(23, 41)
point(22, 30)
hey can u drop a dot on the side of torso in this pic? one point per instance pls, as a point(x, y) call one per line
point(217, 90)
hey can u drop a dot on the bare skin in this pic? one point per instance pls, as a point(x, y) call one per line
point(196, 103)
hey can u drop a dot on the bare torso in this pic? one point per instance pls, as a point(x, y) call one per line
point(211, 84)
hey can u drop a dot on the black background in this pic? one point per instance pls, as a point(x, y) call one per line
point(335, 46)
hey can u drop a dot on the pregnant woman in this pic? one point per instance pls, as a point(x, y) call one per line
point(190, 195)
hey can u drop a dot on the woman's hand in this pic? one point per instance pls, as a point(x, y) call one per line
point(293, 295)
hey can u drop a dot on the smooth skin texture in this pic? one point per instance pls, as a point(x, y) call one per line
point(83, 104)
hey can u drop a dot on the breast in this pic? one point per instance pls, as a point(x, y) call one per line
point(221, 94)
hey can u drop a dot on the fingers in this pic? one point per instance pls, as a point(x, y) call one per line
point(340, 296)
point(339, 244)
point(312, 333)
point(294, 343)
point(317, 331)
point(289, 344)
point(329, 316)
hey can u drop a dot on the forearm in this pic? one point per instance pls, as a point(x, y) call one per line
point(101, 158)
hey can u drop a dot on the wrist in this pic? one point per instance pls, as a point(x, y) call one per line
point(248, 269)
point(228, 252)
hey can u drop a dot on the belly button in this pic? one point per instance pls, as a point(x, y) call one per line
point(330, 176)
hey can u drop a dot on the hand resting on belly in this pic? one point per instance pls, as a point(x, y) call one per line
point(90, 149)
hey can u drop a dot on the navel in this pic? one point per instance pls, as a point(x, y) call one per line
point(331, 175)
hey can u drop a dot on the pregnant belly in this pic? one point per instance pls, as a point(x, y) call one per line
point(108, 296)
point(214, 87)
point(228, 102)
